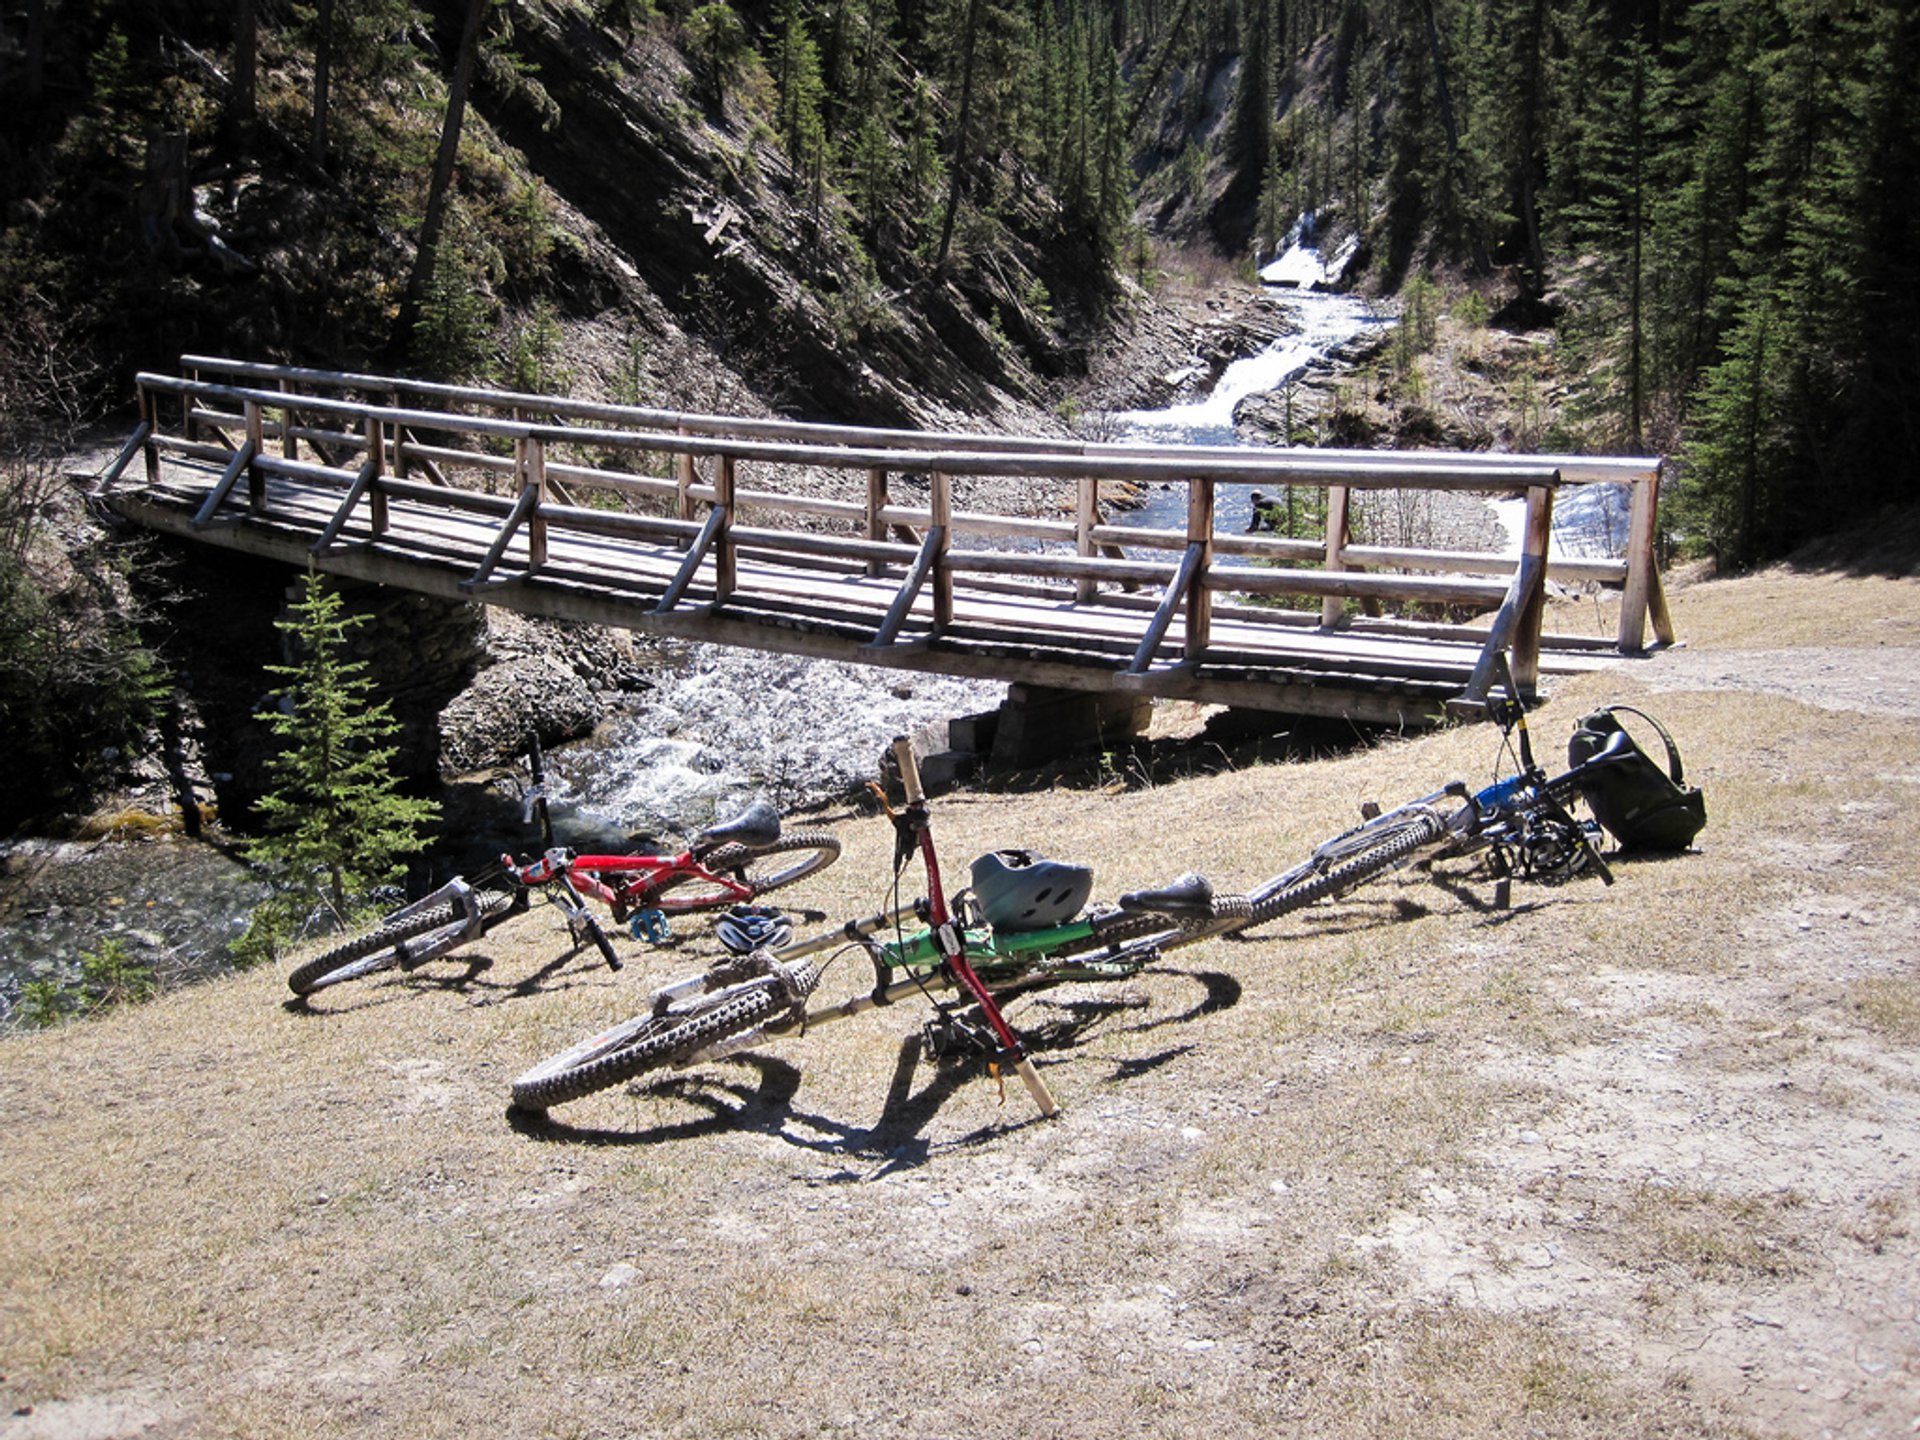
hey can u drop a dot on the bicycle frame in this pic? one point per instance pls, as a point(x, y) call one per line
point(916, 828)
point(643, 876)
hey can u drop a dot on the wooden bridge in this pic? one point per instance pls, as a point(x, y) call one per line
point(742, 532)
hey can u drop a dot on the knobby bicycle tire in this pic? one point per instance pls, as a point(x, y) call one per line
point(1395, 845)
point(1121, 927)
point(810, 851)
point(633, 1047)
point(378, 949)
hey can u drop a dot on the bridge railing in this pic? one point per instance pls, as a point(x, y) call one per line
point(1636, 571)
point(372, 435)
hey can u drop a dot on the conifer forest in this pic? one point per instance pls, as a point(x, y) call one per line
point(1712, 204)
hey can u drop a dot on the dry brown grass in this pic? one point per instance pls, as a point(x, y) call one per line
point(1638, 1161)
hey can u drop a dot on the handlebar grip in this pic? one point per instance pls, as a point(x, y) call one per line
point(1037, 1088)
point(909, 769)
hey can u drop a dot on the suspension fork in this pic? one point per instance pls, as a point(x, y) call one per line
point(947, 938)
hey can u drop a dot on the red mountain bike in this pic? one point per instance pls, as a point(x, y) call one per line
point(725, 865)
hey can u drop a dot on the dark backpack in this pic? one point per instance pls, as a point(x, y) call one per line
point(1642, 806)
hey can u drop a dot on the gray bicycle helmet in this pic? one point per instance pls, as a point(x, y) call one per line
point(746, 928)
point(1019, 890)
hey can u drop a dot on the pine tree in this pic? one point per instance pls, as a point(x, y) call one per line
point(427, 245)
point(336, 824)
point(1612, 227)
point(797, 77)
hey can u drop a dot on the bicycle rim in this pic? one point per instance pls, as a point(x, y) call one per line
point(790, 858)
point(633, 1047)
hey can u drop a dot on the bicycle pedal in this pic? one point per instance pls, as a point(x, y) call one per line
point(651, 926)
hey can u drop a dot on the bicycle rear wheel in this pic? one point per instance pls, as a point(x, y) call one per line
point(1375, 855)
point(380, 948)
point(790, 858)
point(646, 1042)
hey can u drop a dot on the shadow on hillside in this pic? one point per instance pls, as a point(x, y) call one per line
point(1886, 545)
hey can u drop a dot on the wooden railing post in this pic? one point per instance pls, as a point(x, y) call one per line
point(533, 476)
point(256, 477)
point(376, 460)
point(1642, 588)
point(1339, 536)
point(724, 560)
point(1087, 515)
point(940, 503)
point(150, 414)
point(683, 499)
point(189, 427)
point(1533, 607)
point(1199, 597)
point(402, 465)
point(876, 507)
point(289, 442)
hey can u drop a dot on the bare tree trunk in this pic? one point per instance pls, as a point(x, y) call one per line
point(960, 132)
point(246, 58)
point(427, 253)
point(1481, 260)
point(322, 78)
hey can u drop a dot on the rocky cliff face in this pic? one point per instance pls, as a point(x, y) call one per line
point(684, 216)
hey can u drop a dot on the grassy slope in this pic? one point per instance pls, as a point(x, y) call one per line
point(1625, 1161)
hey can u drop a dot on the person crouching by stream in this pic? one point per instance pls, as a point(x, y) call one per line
point(1267, 514)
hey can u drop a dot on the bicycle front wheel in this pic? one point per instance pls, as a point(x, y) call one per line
point(1392, 847)
point(633, 1047)
point(380, 948)
point(790, 858)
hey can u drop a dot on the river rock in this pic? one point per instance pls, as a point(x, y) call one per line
point(548, 678)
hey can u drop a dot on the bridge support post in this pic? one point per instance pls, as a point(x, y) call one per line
point(256, 477)
point(1533, 606)
point(1339, 536)
point(1087, 516)
point(876, 510)
point(376, 463)
point(150, 417)
point(533, 480)
point(940, 503)
point(289, 442)
point(1199, 599)
point(684, 476)
point(724, 571)
point(1642, 590)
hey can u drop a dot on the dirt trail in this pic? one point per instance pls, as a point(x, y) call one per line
point(1613, 1162)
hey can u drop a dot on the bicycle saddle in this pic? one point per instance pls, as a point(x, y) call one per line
point(754, 827)
point(1191, 894)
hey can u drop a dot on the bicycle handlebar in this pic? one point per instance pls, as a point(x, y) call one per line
point(909, 770)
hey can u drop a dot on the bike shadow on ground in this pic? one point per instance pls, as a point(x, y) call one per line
point(762, 1101)
point(1475, 895)
point(391, 987)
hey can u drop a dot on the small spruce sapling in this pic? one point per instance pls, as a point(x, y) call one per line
point(336, 823)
